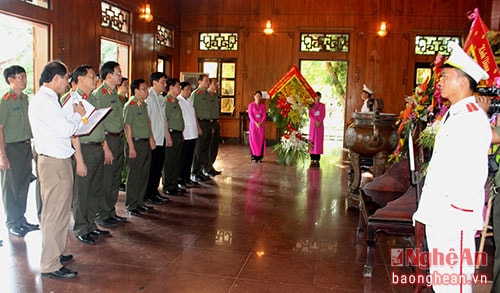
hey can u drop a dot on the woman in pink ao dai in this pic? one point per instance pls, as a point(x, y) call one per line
point(316, 129)
point(257, 130)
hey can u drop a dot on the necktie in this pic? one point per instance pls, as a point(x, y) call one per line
point(447, 116)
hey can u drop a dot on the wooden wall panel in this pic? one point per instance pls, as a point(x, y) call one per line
point(322, 7)
point(76, 30)
point(393, 74)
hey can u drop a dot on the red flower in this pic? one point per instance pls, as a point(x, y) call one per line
point(103, 90)
point(132, 103)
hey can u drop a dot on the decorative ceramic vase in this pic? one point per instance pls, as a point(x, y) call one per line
point(371, 135)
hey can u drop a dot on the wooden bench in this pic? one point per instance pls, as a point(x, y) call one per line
point(383, 189)
point(395, 219)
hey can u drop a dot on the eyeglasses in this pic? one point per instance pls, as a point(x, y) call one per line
point(93, 77)
point(117, 73)
point(20, 77)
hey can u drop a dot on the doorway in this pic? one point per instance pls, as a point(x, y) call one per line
point(28, 46)
point(329, 78)
point(112, 50)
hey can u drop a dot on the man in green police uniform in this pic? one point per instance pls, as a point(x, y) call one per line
point(209, 170)
point(140, 142)
point(174, 126)
point(15, 152)
point(201, 101)
point(89, 157)
point(107, 96)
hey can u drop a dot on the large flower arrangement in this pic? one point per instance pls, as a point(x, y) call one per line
point(424, 109)
point(293, 147)
point(291, 98)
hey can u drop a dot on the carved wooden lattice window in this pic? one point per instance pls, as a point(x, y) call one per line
point(432, 45)
point(219, 41)
point(115, 18)
point(164, 36)
point(324, 42)
point(39, 3)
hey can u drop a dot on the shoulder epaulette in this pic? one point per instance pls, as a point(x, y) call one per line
point(65, 98)
point(104, 90)
point(471, 107)
point(9, 95)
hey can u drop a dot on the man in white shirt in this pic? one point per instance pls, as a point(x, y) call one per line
point(452, 208)
point(366, 97)
point(156, 112)
point(52, 132)
point(191, 131)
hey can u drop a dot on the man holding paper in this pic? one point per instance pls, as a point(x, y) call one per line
point(89, 157)
point(52, 130)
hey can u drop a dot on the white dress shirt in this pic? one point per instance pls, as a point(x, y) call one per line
point(453, 192)
point(156, 112)
point(365, 108)
point(52, 129)
point(188, 113)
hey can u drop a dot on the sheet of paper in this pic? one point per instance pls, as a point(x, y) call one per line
point(95, 118)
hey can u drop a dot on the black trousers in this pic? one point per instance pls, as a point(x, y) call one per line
point(188, 147)
point(315, 157)
point(157, 159)
point(202, 149)
point(214, 146)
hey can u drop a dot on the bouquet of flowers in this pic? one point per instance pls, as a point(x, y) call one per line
point(291, 98)
point(424, 109)
point(293, 146)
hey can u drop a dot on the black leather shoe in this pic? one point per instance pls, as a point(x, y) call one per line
point(119, 219)
point(153, 200)
point(86, 239)
point(215, 172)
point(198, 178)
point(162, 198)
point(134, 213)
point(100, 233)
point(181, 186)
point(145, 208)
point(65, 258)
point(30, 227)
point(208, 175)
point(192, 183)
point(171, 192)
point(108, 223)
point(62, 273)
point(18, 231)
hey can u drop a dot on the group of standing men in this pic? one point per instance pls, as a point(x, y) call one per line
point(175, 135)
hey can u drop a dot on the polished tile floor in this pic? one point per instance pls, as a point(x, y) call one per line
point(255, 228)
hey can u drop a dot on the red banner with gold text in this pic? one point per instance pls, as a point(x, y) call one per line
point(478, 47)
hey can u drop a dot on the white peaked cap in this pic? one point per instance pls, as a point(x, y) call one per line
point(459, 59)
point(366, 89)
